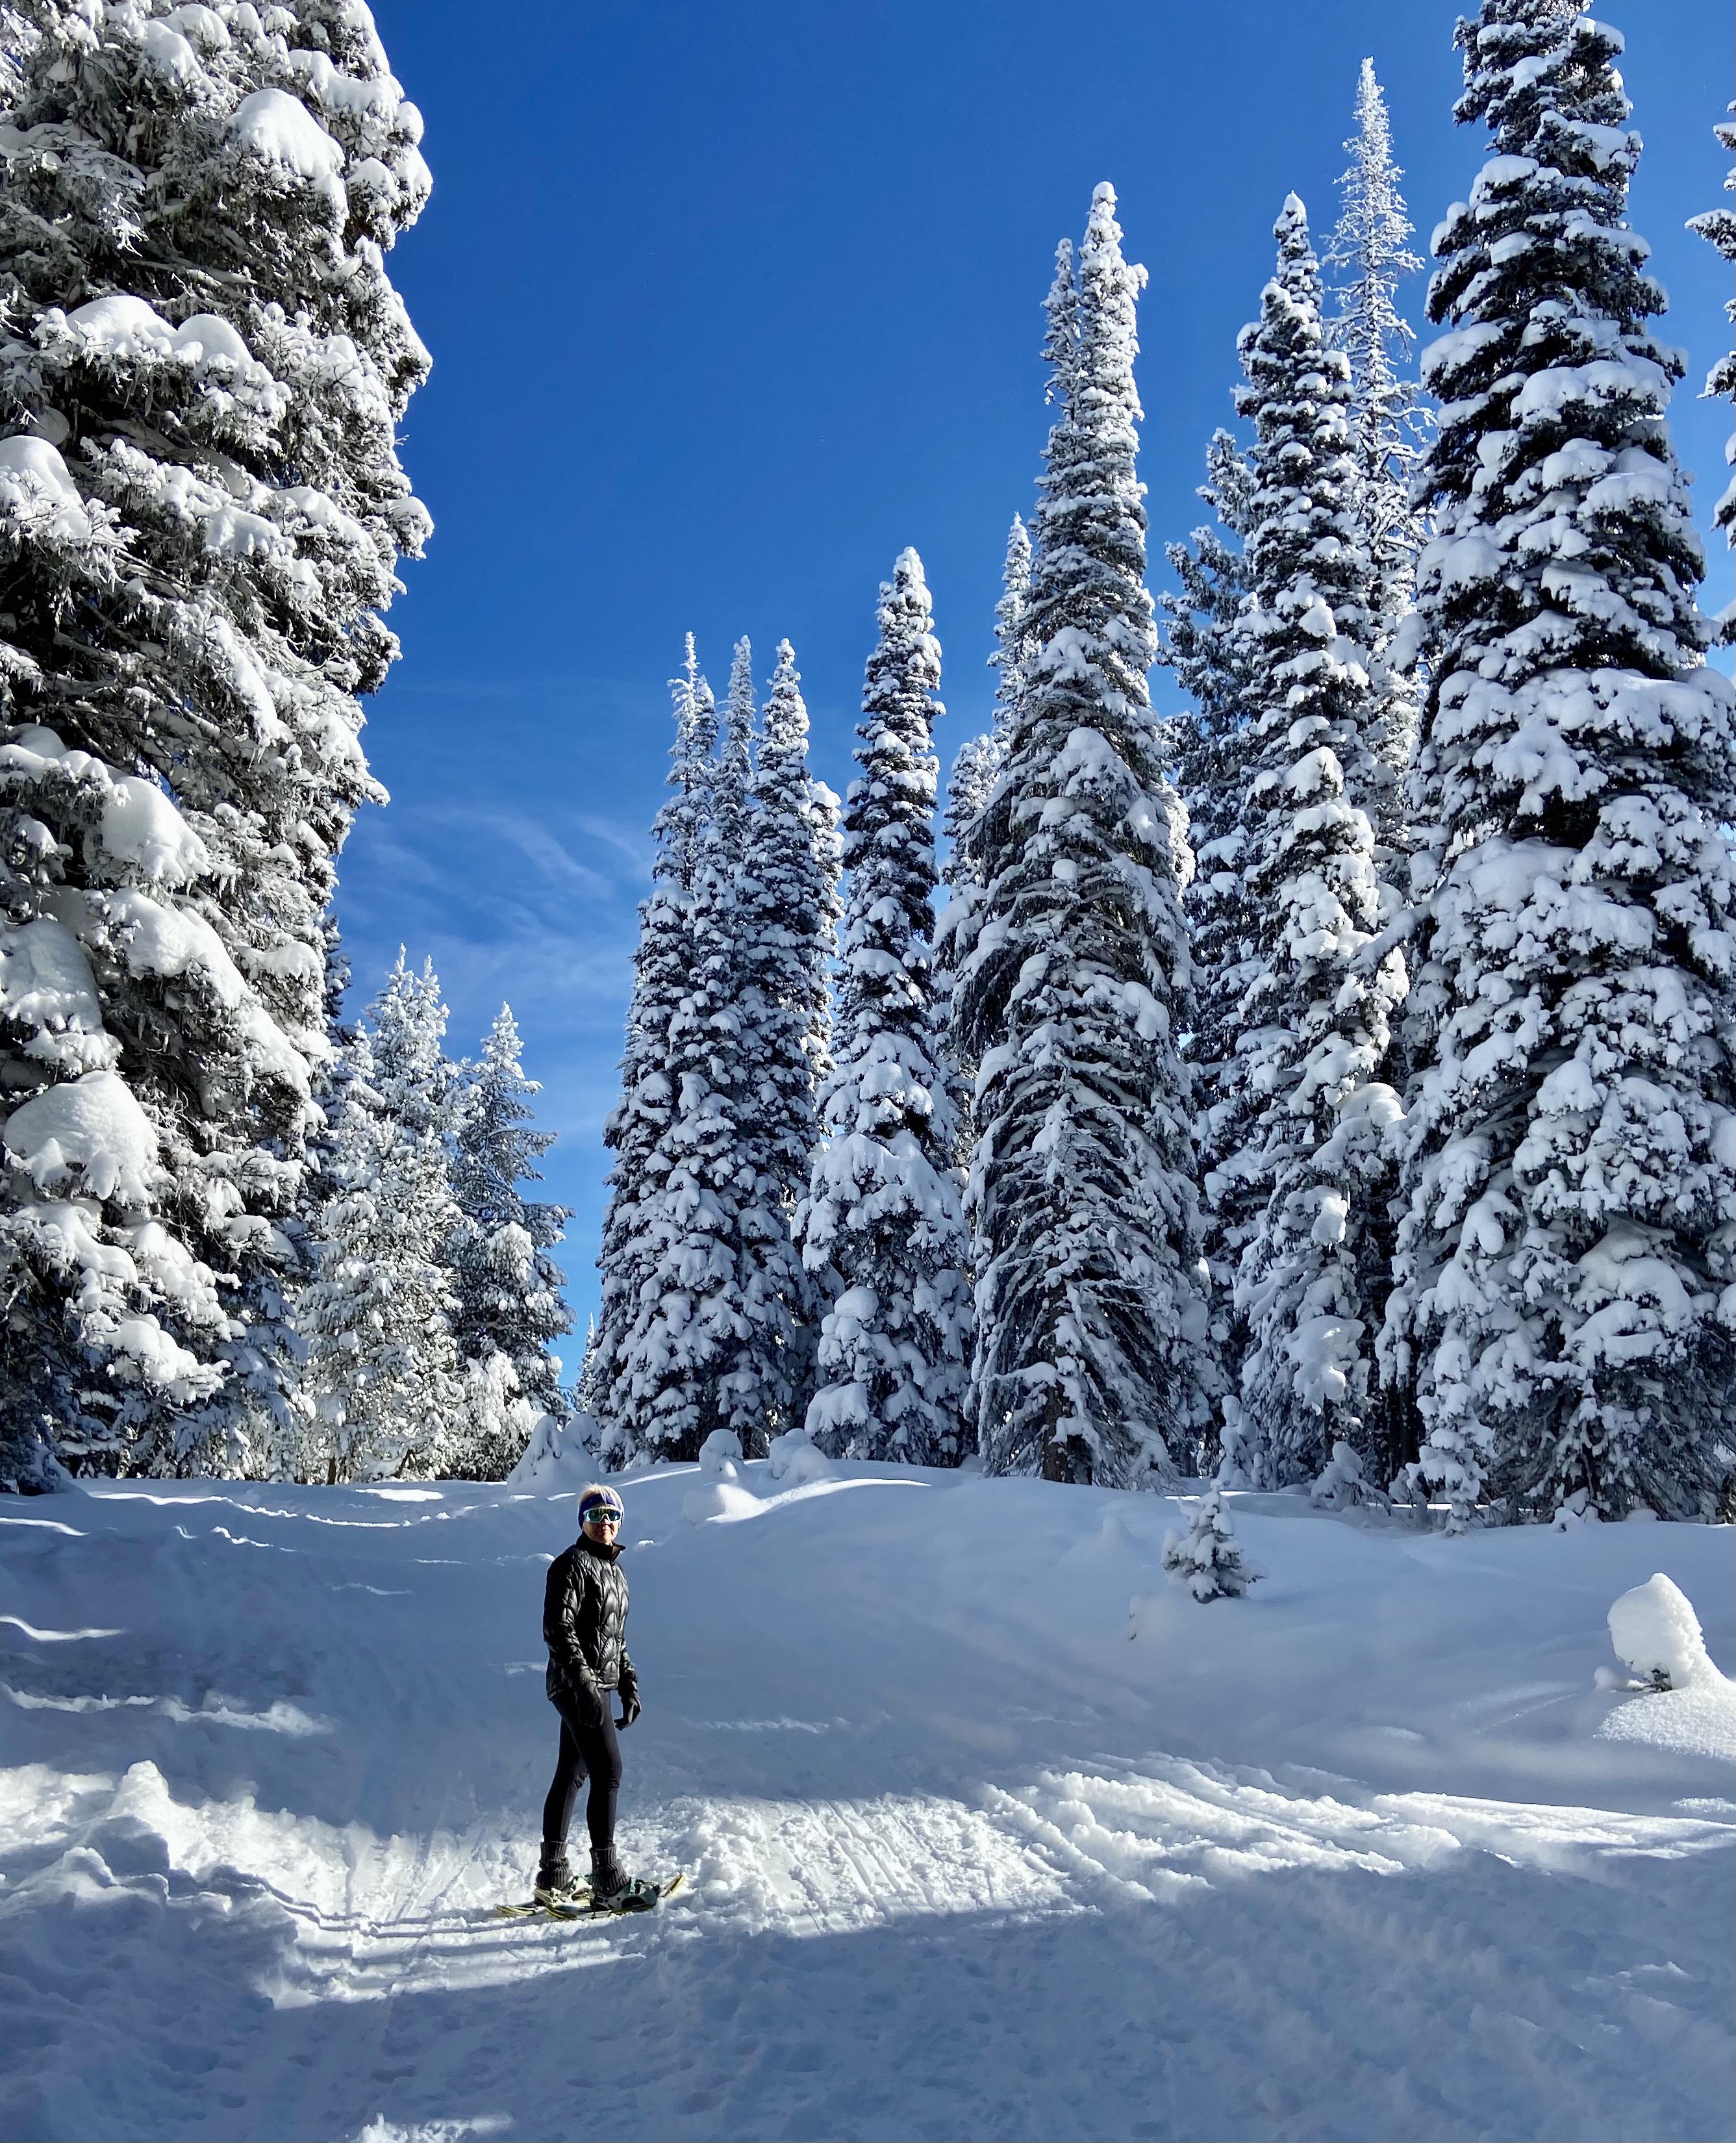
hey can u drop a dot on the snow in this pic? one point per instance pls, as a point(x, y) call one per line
point(1654, 1629)
point(93, 1125)
point(279, 129)
point(120, 327)
point(46, 984)
point(35, 486)
point(140, 826)
point(1357, 1854)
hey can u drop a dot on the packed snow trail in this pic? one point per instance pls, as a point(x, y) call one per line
point(1366, 1854)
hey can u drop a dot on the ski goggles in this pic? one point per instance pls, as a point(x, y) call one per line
point(603, 1508)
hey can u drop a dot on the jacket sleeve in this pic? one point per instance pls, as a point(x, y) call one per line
point(628, 1677)
point(560, 1603)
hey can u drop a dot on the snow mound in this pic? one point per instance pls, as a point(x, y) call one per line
point(1654, 1629)
point(1698, 1721)
point(795, 1459)
point(558, 1457)
point(719, 1499)
point(720, 1455)
point(1685, 1705)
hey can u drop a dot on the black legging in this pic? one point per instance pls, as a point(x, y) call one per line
point(589, 1749)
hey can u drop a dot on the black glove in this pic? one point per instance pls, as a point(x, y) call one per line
point(629, 1709)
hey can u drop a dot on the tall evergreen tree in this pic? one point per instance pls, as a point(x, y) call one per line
point(764, 1079)
point(1566, 1237)
point(785, 921)
point(1210, 747)
point(201, 374)
point(382, 1373)
point(975, 772)
point(884, 1211)
point(631, 1240)
point(690, 1327)
point(1717, 227)
point(509, 1308)
point(1090, 1303)
point(1315, 1019)
point(1387, 421)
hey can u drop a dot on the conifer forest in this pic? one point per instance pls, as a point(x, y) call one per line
point(1127, 1373)
point(1334, 1074)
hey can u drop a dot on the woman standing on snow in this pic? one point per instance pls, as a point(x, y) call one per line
point(584, 1623)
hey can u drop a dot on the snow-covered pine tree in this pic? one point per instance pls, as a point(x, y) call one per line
point(689, 1331)
point(883, 1212)
point(662, 964)
point(417, 1082)
point(382, 1373)
point(1209, 747)
point(1205, 1559)
point(1387, 421)
point(1568, 1176)
point(507, 1284)
point(785, 928)
point(1089, 1300)
point(1315, 1019)
point(1717, 227)
point(1013, 649)
point(202, 370)
point(760, 1053)
point(975, 771)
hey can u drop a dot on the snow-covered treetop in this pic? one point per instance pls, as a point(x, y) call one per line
point(735, 762)
point(1301, 537)
point(410, 1070)
point(1552, 389)
point(679, 827)
point(890, 805)
point(1011, 648)
point(1370, 234)
point(1717, 227)
point(1369, 253)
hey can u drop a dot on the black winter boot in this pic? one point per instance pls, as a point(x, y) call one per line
point(608, 1879)
point(555, 1883)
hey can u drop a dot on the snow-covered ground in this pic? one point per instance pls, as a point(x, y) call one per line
point(1366, 1855)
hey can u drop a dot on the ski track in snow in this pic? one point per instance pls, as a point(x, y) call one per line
point(1354, 1857)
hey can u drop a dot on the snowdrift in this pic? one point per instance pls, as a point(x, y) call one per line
point(1377, 1850)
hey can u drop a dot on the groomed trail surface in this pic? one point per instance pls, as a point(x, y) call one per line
point(1366, 1855)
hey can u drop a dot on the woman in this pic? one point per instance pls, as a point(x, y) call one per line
point(583, 1620)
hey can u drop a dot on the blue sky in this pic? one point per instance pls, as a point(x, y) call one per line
point(728, 305)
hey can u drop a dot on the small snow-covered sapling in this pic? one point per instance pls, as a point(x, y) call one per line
point(1205, 1559)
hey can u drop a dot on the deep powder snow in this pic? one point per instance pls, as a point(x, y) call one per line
point(1367, 1853)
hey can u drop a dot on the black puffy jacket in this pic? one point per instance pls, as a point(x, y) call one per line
point(584, 1624)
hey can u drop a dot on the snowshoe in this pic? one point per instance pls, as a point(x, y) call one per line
point(556, 1885)
point(635, 1895)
